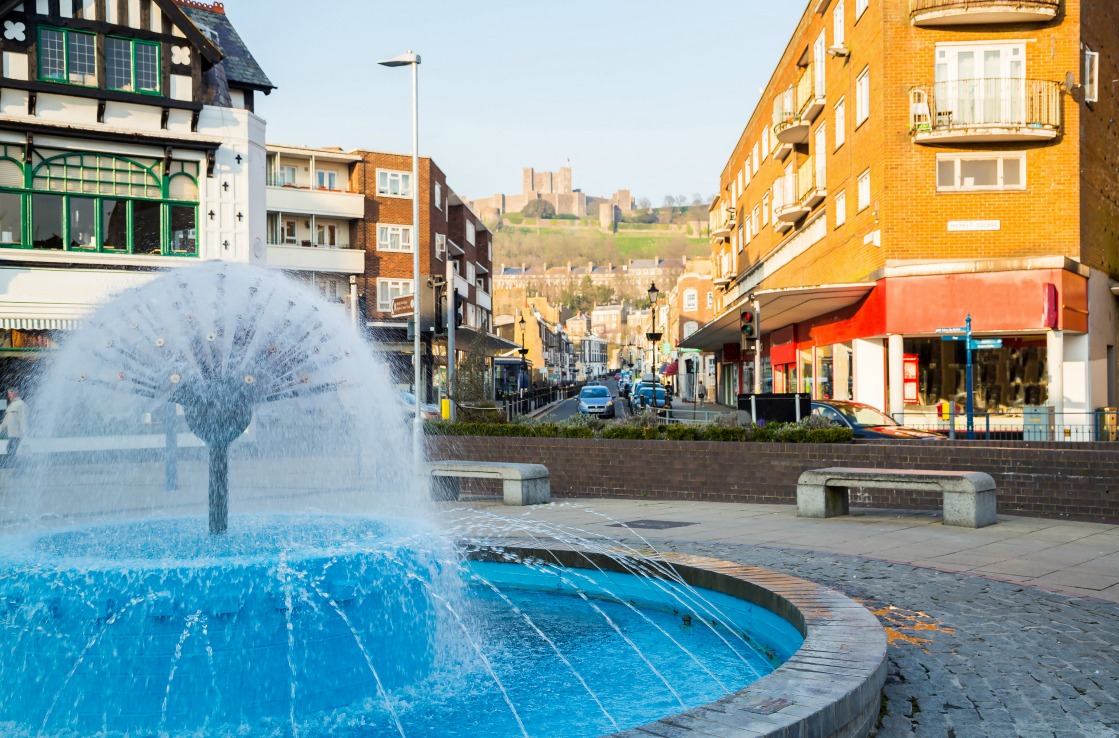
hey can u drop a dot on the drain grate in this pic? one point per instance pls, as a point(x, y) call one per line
point(651, 524)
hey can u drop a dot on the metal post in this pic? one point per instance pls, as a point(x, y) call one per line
point(970, 388)
point(758, 348)
point(796, 401)
point(417, 422)
point(451, 292)
point(171, 482)
point(754, 408)
point(353, 302)
point(952, 419)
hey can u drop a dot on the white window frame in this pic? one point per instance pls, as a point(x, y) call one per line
point(1000, 157)
point(289, 232)
point(326, 180)
point(710, 300)
point(840, 208)
point(765, 142)
point(863, 192)
point(840, 123)
point(438, 196)
point(860, 8)
point(403, 183)
point(691, 297)
point(385, 231)
point(387, 289)
point(470, 271)
point(765, 209)
point(743, 237)
point(283, 172)
point(1091, 79)
point(862, 97)
point(756, 157)
point(757, 229)
point(440, 246)
point(471, 232)
point(839, 24)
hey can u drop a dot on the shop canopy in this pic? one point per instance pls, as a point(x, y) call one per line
point(671, 368)
point(778, 308)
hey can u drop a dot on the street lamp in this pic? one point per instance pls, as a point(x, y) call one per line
point(523, 351)
point(653, 336)
point(413, 60)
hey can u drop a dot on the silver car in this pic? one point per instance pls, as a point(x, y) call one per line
point(596, 400)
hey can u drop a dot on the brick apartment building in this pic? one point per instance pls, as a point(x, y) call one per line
point(911, 162)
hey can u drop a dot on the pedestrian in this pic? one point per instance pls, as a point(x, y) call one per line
point(14, 425)
point(701, 392)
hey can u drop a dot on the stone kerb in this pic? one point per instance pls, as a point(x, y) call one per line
point(830, 687)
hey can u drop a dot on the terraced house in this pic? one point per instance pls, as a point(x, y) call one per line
point(912, 162)
point(128, 143)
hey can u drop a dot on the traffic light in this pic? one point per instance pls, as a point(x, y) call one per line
point(459, 300)
point(749, 325)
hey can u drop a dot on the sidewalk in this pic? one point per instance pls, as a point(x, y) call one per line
point(1008, 631)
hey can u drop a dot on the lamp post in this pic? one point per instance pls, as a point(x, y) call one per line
point(413, 60)
point(653, 336)
point(523, 352)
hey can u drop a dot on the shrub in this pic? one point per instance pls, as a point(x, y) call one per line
point(538, 209)
point(480, 414)
point(684, 432)
point(724, 434)
point(630, 432)
point(447, 428)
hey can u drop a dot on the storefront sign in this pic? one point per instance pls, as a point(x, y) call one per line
point(402, 306)
point(974, 225)
point(986, 343)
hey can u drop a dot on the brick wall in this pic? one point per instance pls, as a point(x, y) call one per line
point(1056, 480)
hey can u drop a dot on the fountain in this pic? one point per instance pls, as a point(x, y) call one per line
point(321, 596)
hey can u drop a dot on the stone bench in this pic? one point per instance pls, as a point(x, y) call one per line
point(522, 484)
point(969, 497)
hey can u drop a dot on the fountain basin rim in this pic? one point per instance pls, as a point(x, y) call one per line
point(830, 686)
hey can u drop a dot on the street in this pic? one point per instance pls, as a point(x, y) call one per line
point(569, 408)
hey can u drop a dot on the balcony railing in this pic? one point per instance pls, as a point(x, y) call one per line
point(788, 194)
point(973, 12)
point(997, 109)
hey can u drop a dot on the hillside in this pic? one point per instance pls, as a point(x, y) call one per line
point(555, 241)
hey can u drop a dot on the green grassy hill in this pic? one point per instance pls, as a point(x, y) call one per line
point(553, 244)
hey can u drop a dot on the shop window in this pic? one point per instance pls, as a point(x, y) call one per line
point(82, 225)
point(184, 230)
point(146, 227)
point(114, 225)
point(11, 218)
point(47, 216)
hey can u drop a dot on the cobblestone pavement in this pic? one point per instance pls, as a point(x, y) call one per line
point(969, 656)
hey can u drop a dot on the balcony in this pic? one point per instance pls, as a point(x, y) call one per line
point(985, 110)
point(810, 184)
point(787, 205)
point(304, 201)
point(482, 299)
point(316, 259)
point(796, 108)
point(933, 13)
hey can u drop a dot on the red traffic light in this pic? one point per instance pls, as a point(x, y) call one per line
point(747, 323)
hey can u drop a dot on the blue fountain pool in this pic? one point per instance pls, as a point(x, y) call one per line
point(349, 627)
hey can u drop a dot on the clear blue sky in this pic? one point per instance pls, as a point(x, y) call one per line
point(646, 94)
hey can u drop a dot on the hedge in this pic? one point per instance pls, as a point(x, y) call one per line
point(678, 432)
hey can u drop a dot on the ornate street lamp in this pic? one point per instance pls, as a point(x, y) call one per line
point(653, 336)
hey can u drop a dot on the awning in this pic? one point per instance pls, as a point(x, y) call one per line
point(465, 338)
point(671, 369)
point(779, 308)
point(39, 324)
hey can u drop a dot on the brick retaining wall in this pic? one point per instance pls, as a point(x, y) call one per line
point(1069, 480)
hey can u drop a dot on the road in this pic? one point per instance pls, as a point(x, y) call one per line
point(568, 408)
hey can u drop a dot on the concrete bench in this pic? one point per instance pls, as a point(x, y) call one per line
point(522, 484)
point(969, 497)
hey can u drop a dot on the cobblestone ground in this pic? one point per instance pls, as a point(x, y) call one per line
point(970, 657)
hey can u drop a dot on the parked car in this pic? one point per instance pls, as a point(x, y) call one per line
point(867, 422)
point(428, 410)
point(646, 394)
point(596, 400)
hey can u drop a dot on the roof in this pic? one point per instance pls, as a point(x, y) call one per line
point(241, 68)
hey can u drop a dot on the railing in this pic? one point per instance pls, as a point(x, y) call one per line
point(806, 89)
point(916, 7)
point(990, 103)
point(1101, 425)
point(696, 417)
point(530, 399)
point(280, 182)
point(806, 178)
point(785, 109)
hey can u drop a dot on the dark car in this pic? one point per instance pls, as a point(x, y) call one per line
point(646, 395)
point(868, 423)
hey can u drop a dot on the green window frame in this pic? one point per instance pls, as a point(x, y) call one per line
point(100, 197)
point(132, 65)
point(67, 57)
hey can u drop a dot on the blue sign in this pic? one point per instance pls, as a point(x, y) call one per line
point(962, 329)
point(986, 343)
point(953, 338)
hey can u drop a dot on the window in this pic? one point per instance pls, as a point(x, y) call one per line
point(756, 157)
point(860, 8)
point(11, 218)
point(146, 227)
point(114, 225)
point(981, 84)
point(840, 122)
point(289, 232)
point(741, 179)
point(438, 196)
point(326, 235)
point(756, 218)
point(710, 300)
point(68, 56)
point(83, 233)
point(46, 214)
point(394, 184)
point(741, 237)
point(864, 191)
point(838, 23)
point(862, 97)
point(841, 208)
point(440, 246)
point(470, 232)
point(765, 209)
point(394, 238)
point(470, 272)
point(285, 176)
point(691, 300)
point(1091, 79)
point(184, 230)
point(765, 142)
point(747, 170)
point(978, 172)
point(387, 289)
point(327, 180)
point(132, 66)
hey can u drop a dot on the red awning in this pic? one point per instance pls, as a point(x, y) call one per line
point(672, 369)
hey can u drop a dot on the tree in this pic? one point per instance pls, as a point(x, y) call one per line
point(644, 204)
point(669, 201)
point(696, 199)
point(681, 201)
point(538, 209)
